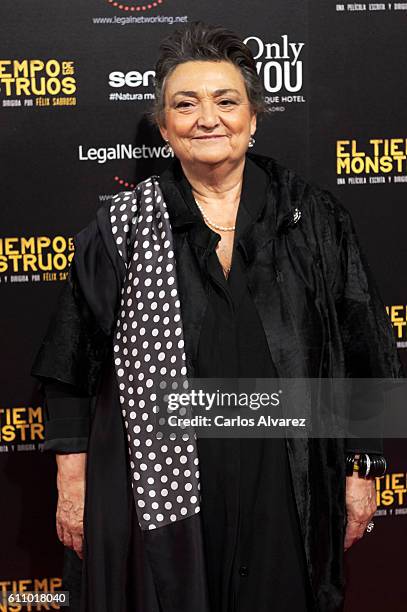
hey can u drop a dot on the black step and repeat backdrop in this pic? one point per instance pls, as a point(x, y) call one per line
point(75, 81)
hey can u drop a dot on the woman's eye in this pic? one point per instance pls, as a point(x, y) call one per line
point(227, 102)
point(183, 104)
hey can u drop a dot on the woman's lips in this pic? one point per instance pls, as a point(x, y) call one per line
point(209, 137)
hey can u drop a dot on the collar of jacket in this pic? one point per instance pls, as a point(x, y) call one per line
point(264, 196)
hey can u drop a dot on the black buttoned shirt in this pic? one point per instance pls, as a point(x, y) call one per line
point(254, 552)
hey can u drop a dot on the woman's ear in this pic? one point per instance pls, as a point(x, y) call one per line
point(253, 124)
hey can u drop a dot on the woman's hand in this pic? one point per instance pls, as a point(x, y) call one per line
point(71, 499)
point(360, 507)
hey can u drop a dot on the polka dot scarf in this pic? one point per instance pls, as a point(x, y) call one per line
point(149, 355)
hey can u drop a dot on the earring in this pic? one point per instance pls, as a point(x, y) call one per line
point(168, 148)
point(251, 141)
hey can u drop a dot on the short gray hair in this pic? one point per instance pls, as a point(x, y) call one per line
point(200, 41)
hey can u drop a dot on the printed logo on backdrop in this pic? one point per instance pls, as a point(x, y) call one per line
point(37, 83)
point(373, 161)
point(398, 318)
point(122, 182)
point(21, 429)
point(32, 259)
point(281, 67)
point(135, 5)
point(391, 492)
point(137, 12)
point(121, 185)
point(133, 86)
point(121, 152)
point(370, 7)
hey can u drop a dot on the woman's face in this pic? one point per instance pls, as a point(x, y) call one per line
point(208, 117)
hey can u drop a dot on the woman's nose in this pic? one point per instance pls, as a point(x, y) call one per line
point(208, 116)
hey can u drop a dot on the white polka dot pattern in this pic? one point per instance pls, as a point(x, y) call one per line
point(148, 354)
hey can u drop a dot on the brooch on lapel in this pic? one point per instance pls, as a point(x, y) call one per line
point(296, 216)
point(290, 219)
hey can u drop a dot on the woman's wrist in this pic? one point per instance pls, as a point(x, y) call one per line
point(365, 465)
point(71, 464)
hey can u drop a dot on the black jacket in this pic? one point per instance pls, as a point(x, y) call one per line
point(319, 307)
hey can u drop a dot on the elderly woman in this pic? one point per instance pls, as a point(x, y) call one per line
point(227, 265)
